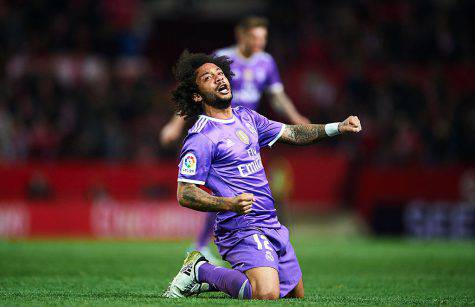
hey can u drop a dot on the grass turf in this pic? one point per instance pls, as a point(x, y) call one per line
point(340, 271)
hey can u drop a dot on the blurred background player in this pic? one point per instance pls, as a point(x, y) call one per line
point(256, 73)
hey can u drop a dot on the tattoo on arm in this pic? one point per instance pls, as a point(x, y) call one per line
point(303, 134)
point(190, 196)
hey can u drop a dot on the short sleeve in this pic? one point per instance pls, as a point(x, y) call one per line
point(273, 82)
point(195, 159)
point(269, 131)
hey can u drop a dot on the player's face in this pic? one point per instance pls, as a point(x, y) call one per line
point(213, 85)
point(254, 40)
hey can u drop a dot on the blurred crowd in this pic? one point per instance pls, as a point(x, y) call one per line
point(84, 79)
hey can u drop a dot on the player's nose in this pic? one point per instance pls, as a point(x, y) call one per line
point(219, 79)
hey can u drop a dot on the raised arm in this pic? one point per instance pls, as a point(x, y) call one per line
point(312, 133)
point(190, 196)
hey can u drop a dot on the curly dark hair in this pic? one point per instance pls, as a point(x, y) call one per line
point(185, 74)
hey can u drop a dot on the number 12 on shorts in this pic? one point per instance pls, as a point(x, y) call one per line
point(264, 242)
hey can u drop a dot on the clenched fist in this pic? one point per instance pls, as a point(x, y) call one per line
point(351, 124)
point(242, 204)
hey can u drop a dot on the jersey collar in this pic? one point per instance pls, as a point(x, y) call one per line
point(224, 121)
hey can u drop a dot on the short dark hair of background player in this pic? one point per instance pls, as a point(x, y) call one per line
point(251, 22)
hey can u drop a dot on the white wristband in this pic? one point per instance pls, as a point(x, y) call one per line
point(332, 129)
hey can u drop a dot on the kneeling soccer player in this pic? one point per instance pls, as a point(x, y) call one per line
point(222, 152)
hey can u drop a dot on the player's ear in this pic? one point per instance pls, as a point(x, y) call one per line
point(197, 97)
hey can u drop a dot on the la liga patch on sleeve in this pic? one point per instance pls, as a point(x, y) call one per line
point(188, 164)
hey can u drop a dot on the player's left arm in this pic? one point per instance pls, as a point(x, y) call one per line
point(282, 104)
point(312, 133)
point(279, 100)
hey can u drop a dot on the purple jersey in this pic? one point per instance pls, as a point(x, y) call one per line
point(252, 76)
point(224, 155)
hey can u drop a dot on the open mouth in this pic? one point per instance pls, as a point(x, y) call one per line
point(223, 89)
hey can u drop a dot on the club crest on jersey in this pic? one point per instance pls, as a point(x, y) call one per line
point(242, 136)
point(188, 165)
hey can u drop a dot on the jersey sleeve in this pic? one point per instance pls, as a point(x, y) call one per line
point(273, 82)
point(269, 131)
point(195, 159)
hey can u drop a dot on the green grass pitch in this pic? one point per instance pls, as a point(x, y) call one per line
point(340, 271)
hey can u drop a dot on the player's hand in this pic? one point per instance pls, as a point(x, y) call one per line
point(350, 125)
point(242, 204)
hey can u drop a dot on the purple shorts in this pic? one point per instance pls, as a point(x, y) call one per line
point(262, 247)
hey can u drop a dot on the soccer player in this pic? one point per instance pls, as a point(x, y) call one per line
point(255, 73)
point(222, 152)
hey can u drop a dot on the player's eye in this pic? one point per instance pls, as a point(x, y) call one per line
point(207, 78)
point(220, 73)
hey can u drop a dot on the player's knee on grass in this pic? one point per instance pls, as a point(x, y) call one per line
point(264, 282)
point(265, 291)
point(297, 292)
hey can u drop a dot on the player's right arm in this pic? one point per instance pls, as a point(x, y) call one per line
point(191, 196)
point(196, 158)
point(172, 130)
